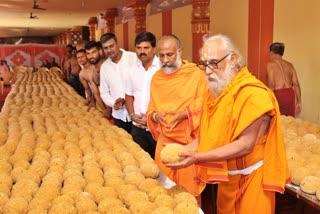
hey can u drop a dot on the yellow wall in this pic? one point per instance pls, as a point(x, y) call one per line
point(98, 35)
point(132, 34)
point(119, 33)
point(154, 23)
point(230, 17)
point(181, 27)
point(298, 29)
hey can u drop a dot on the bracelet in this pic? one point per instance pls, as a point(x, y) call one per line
point(154, 117)
point(131, 115)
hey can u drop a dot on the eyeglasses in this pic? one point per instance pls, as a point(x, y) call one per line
point(211, 64)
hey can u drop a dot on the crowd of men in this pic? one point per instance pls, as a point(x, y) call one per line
point(50, 64)
point(227, 120)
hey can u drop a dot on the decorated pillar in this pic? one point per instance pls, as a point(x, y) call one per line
point(140, 15)
point(110, 17)
point(58, 39)
point(167, 22)
point(200, 25)
point(67, 37)
point(64, 38)
point(76, 35)
point(93, 21)
point(55, 40)
point(61, 38)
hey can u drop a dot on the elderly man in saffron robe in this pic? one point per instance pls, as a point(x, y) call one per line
point(241, 145)
point(173, 114)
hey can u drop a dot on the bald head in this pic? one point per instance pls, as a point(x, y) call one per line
point(169, 52)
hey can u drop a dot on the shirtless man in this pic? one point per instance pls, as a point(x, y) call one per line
point(74, 69)
point(283, 80)
point(90, 76)
point(65, 63)
point(83, 75)
point(53, 63)
point(45, 64)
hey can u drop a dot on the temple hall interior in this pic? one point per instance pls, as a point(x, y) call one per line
point(48, 134)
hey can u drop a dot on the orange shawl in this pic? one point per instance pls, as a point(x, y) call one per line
point(181, 90)
point(244, 100)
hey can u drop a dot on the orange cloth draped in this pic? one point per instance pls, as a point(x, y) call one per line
point(244, 100)
point(179, 91)
point(243, 194)
point(286, 99)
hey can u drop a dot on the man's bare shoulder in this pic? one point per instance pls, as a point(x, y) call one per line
point(82, 74)
point(73, 61)
point(289, 64)
point(91, 73)
point(271, 65)
point(66, 60)
point(273, 62)
point(85, 72)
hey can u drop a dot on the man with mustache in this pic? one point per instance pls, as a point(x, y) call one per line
point(91, 61)
point(138, 90)
point(241, 143)
point(113, 76)
point(174, 109)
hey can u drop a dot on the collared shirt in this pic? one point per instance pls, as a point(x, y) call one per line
point(138, 85)
point(113, 79)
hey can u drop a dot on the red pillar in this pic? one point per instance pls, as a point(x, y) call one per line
point(126, 36)
point(167, 22)
point(68, 37)
point(93, 21)
point(260, 36)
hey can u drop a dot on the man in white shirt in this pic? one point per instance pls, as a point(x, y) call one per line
point(138, 90)
point(113, 75)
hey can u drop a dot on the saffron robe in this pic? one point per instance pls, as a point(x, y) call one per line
point(243, 101)
point(178, 91)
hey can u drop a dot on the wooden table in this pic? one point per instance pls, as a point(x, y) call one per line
point(311, 200)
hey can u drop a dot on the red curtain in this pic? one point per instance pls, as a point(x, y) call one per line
point(31, 54)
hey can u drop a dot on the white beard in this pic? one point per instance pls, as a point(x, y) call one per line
point(172, 66)
point(217, 85)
